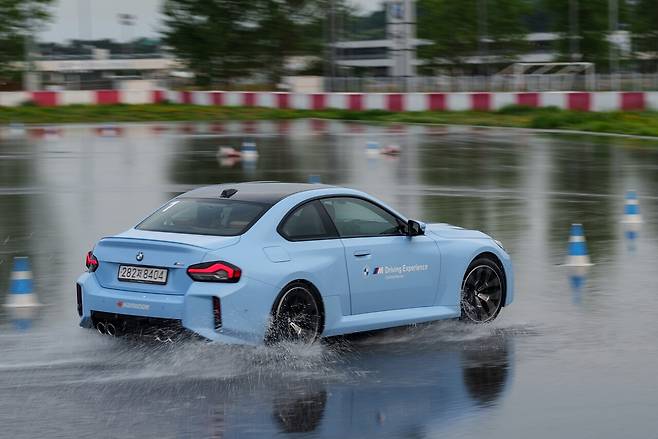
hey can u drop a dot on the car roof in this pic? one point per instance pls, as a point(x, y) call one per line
point(267, 192)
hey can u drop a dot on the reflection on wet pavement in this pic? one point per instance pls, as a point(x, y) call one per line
point(575, 354)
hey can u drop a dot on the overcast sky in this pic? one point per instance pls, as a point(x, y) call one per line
point(101, 19)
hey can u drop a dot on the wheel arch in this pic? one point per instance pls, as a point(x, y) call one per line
point(316, 295)
point(496, 260)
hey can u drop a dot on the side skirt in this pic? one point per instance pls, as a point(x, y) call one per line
point(389, 319)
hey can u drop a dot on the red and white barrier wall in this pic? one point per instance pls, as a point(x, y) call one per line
point(582, 101)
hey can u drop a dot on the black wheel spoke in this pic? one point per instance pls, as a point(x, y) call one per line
point(297, 318)
point(481, 293)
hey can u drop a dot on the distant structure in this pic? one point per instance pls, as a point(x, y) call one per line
point(401, 32)
point(394, 56)
point(85, 67)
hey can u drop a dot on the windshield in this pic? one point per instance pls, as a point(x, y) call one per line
point(204, 216)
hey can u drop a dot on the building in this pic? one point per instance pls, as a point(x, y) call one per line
point(86, 67)
point(394, 56)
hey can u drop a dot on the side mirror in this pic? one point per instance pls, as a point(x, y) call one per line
point(415, 228)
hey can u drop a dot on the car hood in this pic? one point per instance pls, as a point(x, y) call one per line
point(208, 242)
point(448, 231)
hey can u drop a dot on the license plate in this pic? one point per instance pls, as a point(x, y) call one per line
point(130, 273)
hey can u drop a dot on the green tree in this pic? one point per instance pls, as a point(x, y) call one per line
point(215, 38)
point(224, 40)
point(590, 32)
point(19, 19)
point(286, 28)
point(455, 29)
point(644, 26)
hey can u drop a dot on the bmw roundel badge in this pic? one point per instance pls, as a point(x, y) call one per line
point(139, 256)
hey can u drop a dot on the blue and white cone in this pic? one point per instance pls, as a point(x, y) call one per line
point(372, 148)
point(249, 151)
point(632, 209)
point(314, 179)
point(578, 256)
point(20, 285)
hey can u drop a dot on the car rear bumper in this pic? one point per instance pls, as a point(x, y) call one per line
point(245, 307)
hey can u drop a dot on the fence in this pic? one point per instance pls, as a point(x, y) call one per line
point(481, 101)
point(497, 83)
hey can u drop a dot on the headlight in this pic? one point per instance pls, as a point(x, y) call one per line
point(499, 244)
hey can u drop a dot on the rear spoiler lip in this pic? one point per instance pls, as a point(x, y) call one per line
point(125, 238)
point(213, 242)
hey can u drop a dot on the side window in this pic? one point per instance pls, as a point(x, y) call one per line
point(355, 217)
point(306, 223)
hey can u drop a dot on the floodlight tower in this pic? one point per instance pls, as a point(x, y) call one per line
point(401, 30)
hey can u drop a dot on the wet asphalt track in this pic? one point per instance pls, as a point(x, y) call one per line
point(563, 361)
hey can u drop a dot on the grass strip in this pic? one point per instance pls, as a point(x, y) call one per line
point(642, 123)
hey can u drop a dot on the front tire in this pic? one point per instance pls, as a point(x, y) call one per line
point(482, 291)
point(296, 317)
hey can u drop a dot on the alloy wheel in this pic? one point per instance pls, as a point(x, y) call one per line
point(482, 293)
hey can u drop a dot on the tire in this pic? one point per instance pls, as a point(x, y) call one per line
point(483, 291)
point(296, 316)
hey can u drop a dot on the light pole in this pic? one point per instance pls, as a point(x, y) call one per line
point(613, 17)
point(126, 21)
point(482, 35)
point(30, 81)
point(573, 30)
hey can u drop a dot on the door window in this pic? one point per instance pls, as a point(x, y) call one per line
point(306, 223)
point(355, 217)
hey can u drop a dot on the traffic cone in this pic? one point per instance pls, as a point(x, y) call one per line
point(391, 150)
point(372, 148)
point(249, 151)
point(632, 209)
point(20, 286)
point(228, 152)
point(578, 256)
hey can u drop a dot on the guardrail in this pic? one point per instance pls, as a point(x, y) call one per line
point(480, 101)
point(498, 83)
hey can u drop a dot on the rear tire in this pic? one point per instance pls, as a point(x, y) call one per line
point(296, 316)
point(483, 290)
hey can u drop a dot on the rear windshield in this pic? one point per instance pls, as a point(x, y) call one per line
point(204, 216)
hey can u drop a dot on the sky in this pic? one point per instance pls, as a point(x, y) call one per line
point(101, 19)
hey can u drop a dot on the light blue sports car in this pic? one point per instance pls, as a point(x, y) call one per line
point(264, 262)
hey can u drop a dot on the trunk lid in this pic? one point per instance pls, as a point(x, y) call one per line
point(172, 251)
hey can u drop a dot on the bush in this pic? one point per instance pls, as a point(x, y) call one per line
point(547, 121)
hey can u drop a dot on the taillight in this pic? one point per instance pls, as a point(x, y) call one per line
point(218, 271)
point(91, 262)
point(217, 312)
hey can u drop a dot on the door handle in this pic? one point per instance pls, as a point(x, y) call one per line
point(361, 253)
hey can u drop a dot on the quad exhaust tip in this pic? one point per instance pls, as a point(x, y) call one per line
point(105, 328)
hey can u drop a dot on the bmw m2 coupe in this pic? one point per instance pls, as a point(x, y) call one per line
point(263, 262)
